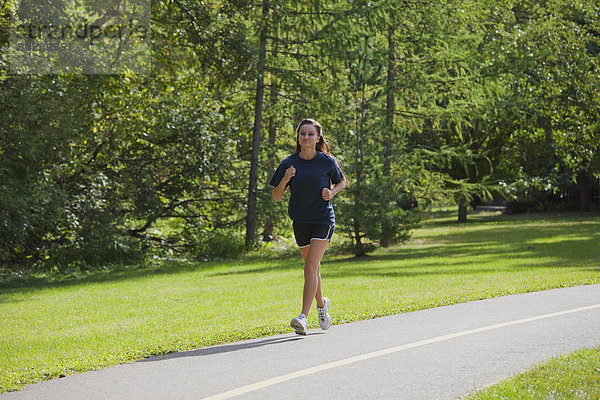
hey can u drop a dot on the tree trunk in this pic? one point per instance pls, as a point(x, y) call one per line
point(390, 105)
point(358, 197)
point(359, 250)
point(585, 192)
point(462, 210)
point(267, 233)
point(390, 109)
point(251, 216)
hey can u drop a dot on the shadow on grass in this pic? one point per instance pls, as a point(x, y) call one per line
point(116, 274)
point(295, 263)
point(442, 218)
point(132, 273)
point(565, 243)
point(573, 237)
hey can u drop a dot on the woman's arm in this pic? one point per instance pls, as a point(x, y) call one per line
point(279, 190)
point(328, 194)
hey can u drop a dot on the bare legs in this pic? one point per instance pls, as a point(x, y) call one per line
point(312, 256)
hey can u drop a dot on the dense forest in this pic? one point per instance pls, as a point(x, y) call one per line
point(165, 145)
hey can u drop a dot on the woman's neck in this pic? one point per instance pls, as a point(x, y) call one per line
point(307, 154)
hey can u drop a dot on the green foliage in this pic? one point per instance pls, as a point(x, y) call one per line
point(548, 52)
point(100, 169)
point(214, 244)
point(420, 101)
point(39, 166)
point(368, 210)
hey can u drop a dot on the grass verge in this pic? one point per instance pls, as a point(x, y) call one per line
point(573, 376)
point(103, 319)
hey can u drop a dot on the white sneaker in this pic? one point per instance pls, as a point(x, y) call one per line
point(324, 317)
point(300, 324)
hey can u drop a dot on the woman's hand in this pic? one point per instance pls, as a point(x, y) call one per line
point(289, 174)
point(327, 194)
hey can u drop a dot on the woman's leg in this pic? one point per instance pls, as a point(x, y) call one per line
point(312, 274)
point(319, 294)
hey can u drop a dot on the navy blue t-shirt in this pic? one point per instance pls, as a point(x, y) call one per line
point(306, 201)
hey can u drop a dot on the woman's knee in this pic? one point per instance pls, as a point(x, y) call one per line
point(312, 267)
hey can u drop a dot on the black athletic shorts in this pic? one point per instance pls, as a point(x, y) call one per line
point(304, 232)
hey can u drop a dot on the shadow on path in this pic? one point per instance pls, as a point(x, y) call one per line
point(226, 348)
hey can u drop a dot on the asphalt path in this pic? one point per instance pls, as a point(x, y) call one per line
point(440, 353)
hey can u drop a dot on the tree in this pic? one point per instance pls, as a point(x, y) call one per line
point(256, 131)
point(549, 51)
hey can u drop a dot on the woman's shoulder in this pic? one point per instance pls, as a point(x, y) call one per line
point(291, 157)
point(329, 157)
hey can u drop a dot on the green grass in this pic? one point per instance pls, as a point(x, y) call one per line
point(574, 376)
point(52, 328)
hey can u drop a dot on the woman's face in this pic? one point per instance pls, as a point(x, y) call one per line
point(308, 136)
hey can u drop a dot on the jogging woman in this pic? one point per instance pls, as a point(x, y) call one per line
point(310, 173)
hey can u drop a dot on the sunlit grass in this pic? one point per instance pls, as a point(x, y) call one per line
point(574, 376)
point(113, 317)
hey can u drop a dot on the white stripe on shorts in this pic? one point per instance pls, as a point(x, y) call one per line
point(326, 236)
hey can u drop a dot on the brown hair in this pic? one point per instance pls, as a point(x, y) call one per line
point(322, 144)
